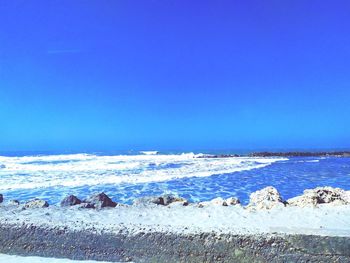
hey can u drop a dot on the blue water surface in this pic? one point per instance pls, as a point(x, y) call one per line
point(290, 177)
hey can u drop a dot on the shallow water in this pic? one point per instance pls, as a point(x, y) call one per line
point(125, 177)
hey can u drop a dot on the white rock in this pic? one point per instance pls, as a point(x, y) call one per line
point(321, 195)
point(36, 203)
point(266, 198)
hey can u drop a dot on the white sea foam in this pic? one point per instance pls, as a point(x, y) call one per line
point(75, 170)
point(149, 152)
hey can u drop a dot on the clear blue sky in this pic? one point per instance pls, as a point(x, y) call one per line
point(106, 75)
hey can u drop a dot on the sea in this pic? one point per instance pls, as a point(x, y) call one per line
point(129, 175)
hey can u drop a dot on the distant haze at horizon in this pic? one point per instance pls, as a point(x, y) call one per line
point(112, 75)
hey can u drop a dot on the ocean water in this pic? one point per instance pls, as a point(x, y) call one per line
point(126, 177)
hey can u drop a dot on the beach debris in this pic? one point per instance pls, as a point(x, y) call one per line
point(214, 202)
point(321, 195)
point(232, 201)
point(13, 202)
point(100, 200)
point(36, 203)
point(265, 198)
point(1, 198)
point(70, 201)
point(220, 202)
point(160, 200)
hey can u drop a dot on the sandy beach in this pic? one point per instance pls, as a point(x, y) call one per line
point(177, 232)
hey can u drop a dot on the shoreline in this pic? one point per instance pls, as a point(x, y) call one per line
point(160, 229)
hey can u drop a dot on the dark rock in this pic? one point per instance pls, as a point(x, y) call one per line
point(168, 199)
point(36, 203)
point(70, 201)
point(1, 198)
point(160, 200)
point(100, 200)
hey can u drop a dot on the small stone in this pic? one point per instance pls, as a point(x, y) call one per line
point(70, 201)
point(168, 199)
point(36, 203)
point(160, 200)
point(100, 200)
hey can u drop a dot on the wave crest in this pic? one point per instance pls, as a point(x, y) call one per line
point(76, 170)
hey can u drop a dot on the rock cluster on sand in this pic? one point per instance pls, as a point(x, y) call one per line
point(220, 202)
point(269, 198)
point(36, 203)
point(321, 195)
point(97, 201)
point(161, 200)
point(266, 198)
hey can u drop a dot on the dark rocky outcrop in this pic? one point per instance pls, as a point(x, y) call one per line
point(1, 198)
point(280, 154)
point(300, 154)
point(36, 203)
point(70, 201)
point(160, 200)
point(99, 201)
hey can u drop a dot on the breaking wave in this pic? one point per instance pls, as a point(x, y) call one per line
point(74, 170)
